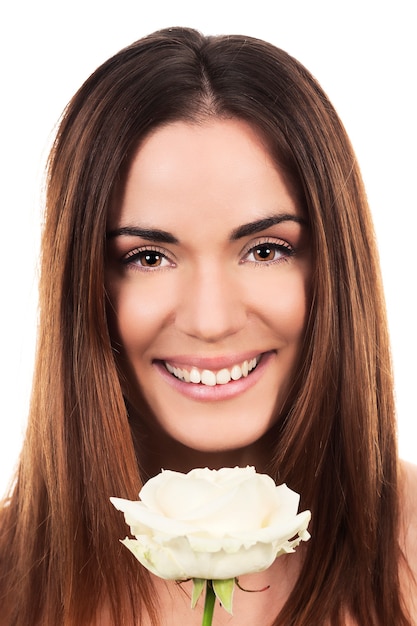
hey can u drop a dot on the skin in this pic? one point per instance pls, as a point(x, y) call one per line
point(408, 537)
point(262, 607)
point(208, 293)
point(209, 299)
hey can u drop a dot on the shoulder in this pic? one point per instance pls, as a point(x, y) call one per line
point(408, 497)
point(408, 533)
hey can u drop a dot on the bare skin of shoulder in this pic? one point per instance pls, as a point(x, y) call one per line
point(408, 539)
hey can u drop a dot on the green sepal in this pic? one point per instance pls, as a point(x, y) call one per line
point(198, 586)
point(224, 592)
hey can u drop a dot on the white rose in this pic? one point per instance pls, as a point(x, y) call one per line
point(212, 524)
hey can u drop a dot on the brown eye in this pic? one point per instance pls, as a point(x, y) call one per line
point(264, 253)
point(147, 259)
point(150, 259)
point(268, 252)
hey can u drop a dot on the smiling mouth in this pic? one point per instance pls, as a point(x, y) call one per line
point(211, 378)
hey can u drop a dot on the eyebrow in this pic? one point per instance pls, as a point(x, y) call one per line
point(257, 226)
point(163, 236)
point(150, 234)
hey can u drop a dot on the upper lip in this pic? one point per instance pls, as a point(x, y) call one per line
point(211, 363)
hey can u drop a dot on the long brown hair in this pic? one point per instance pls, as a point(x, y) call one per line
point(335, 441)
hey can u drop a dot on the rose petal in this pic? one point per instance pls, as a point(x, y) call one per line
point(213, 524)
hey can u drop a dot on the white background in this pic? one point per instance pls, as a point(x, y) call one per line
point(363, 52)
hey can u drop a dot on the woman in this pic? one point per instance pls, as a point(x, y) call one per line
point(210, 296)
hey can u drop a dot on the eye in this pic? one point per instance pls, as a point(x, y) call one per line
point(266, 252)
point(147, 259)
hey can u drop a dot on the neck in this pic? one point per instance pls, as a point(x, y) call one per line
point(156, 451)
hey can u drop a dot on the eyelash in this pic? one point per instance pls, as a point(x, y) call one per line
point(134, 257)
point(280, 246)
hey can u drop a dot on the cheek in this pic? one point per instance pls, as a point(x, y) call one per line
point(136, 314)
point(292, 307)
point(287, 308)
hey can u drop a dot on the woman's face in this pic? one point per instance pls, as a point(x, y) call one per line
point(208, 278)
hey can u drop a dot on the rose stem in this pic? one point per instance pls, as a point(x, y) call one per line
point(209, 605)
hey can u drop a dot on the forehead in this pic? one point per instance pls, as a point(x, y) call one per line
point(219, 166)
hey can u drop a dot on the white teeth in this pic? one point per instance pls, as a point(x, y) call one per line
point(236, 372)
point(195, 376)
point(223, 377)
point(178, 373)
point(210, 378)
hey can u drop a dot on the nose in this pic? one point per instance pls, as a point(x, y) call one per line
point(212, 306)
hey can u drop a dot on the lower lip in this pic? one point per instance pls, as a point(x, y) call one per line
point(207, 393)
